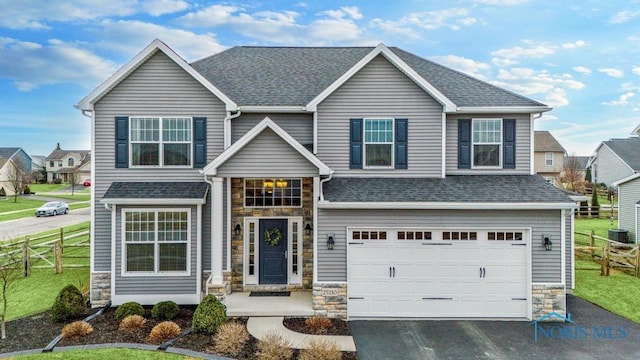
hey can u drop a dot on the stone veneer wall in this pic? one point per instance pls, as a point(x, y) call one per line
point(330, 300)
point(547, 299)
point(100, 288)
point(239, 212)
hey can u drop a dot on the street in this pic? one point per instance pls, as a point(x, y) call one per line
point(16, 228)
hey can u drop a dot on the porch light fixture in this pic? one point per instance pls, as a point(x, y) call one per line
point(237, 229)
point(281, 183)
point(547, 243)
point(308, 228)
point(330, 241)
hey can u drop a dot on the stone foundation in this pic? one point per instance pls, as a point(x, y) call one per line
point(100, 288)
point(220, 291)
point(546, 299)
point(330, 300)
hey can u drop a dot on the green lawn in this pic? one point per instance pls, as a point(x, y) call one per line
point(38, 188)
point(599, 226)
point(105, 354)
point(30, 211)
point(23, 203)
point(77, 196)
point(618, 293)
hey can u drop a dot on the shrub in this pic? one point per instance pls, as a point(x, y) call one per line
point(231, 339)
point(83, 286)
point(132, 322)
point(130, 308)
point(321, 350)
point(210, 314)
point(68, 304)
point(76, 329)
point(274, 347)
point(57, 181)
point(318, 324)
point(2, 192)
point(165, 310)
point(26, 190)
point(164, 331)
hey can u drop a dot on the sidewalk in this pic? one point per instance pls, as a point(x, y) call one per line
point(261, 326)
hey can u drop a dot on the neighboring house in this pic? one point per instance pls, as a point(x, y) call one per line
point(60, 164)
point(37, 162)
point(582, 161)
point(629, 205)
point(19, 157)
point(7, 174)
point(386, 184)
point(616, 159)
point(548, 157)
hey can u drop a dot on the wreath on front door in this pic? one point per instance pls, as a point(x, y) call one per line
point(273, 237)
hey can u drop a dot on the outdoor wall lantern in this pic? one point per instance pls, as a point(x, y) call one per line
point(330, 241)
point(308, 228)
point(237, 229)
point(546, 242)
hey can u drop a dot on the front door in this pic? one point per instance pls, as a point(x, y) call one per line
point(273, 251)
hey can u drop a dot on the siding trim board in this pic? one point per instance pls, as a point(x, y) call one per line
point(417, 205)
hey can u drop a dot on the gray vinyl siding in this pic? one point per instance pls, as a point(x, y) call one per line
point(609, 168)
point(332, 264)
point(299, 126)
point(567, 252)
point(148, 285)
point(628, 197)
point(381, 90)
point(523, 144)
point(158, 87)
point(267, 155)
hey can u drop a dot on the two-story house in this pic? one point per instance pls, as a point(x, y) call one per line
point(66, 165)
point(383, 183)
point(18, 156)
point(616, 159)
point(548, 157)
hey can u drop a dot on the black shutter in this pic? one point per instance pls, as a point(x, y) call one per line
point(509, 144)
point(355, 144)
point(464, 144)
point(199, 142)
point(401, 143)
point(122, 142)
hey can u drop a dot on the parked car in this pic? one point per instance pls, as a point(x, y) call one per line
point(52, 208)
point(87, 182)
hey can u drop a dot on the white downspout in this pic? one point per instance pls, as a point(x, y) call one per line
point(227, 127)
point(322, 183)
point(206, 284)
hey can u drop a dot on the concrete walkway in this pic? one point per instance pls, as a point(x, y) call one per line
point(261, 326)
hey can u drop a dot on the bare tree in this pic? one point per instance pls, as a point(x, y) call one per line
point(10, 272)
point(15, 178)
point(73, 178)
point(572, 174)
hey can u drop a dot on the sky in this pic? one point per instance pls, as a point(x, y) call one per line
point(580, 57)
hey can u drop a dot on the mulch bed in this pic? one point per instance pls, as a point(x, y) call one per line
point(339, 327)
point(35, 332)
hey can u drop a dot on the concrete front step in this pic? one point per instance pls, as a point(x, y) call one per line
point(298, 304)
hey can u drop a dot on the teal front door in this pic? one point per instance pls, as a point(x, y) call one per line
point(273, 251)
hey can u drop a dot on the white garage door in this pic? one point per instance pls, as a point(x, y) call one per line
point(438, 273)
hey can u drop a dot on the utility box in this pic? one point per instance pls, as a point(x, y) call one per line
point(619, 235)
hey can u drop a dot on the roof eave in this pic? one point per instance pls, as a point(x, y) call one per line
point(445, 205)
point(148, 201)
point(500, 109)
point(273, 109)
point(626, 179)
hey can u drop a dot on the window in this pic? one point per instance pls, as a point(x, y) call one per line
point(548, 158)
point(414, 235)
point(487, 141)
point(156, 241)
point(51, 164)
point(378, 142)
point(272, 192)
point(59, 163)
point(160, 141)
point(70, 162)
point(459, 235)
point(369, 235)
point(504, 236)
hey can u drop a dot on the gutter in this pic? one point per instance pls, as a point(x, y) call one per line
point(322, 184)
point(227, 127)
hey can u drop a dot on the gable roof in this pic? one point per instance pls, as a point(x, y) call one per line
point(628, 150)
point(583, 161)
point(3, 161)
point(212, 168)
point(8, 152)
point(296, 76)
point(59, 154)
point(544, 141)
point(156, 45)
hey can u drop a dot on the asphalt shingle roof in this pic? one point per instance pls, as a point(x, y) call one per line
point(59, 154)
point(582, 161)
point(544, 141)
point(157, 190)
point(7, 152)
point(627, 149)
point(462, 188)
point(293, 76)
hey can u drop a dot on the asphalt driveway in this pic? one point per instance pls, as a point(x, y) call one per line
point(595, 334)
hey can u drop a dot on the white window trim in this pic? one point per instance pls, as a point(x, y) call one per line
point(123, 243)
point(160, 143)
point(364, 144)
point(244, 193)
point(548, 156)
point(500, 145)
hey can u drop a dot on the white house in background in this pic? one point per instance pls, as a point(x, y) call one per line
point(616, 159)
point(629, 205)
point(61, 163)
point(7, 173)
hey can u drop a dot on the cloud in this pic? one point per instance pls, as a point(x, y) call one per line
point(161, 7)
point(582, 70)
point(129, 37)
point(30, 65)
point(636, 70)
point(346, 11)
point(467, 66)
point(531, 82)
point(622, 100)
point(612, 72)
point(410, 24)
point(394, 28)
point(574, 45)
point(36, 14)
point(503, 2)
point(517, 52)
point(623, 16)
